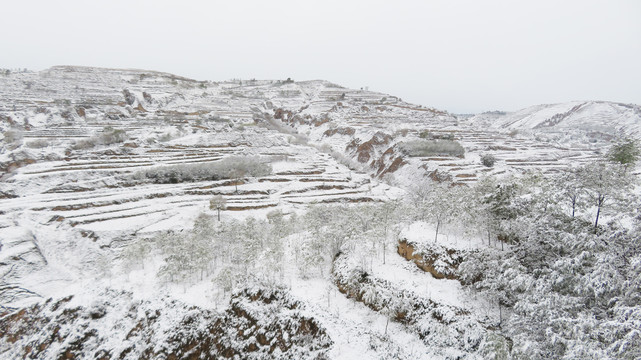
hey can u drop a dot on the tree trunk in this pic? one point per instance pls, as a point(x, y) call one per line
point(218, 214)
point(573, 205)
point(598, 212)
point(384, 250)
point(438, 224)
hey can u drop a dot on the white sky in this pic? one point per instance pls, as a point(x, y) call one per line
point(457, 55)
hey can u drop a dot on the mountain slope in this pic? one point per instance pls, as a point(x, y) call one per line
point(597, 117)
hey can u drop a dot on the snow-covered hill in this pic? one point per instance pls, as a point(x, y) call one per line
point(588, 117)
point(110, 177)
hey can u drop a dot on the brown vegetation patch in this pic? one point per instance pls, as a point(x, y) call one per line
point(465, 176)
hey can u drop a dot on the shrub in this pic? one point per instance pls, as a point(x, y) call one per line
point(488, 160)
point(37, 144)
point(165, 137)
point(625, 152)
point(112, 136)
point(108, 136)
point(232, 167)
point(446, 136)
point(84, 144)
point(432, 147)
point(11, 136)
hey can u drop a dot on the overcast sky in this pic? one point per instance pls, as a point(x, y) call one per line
point(461, 56)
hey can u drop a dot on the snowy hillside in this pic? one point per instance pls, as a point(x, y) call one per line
point(144, 215)
point(598, 118)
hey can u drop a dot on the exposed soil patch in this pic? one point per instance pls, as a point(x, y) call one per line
point(442, 264)
point(340, 131)
point(465, 175)
point(249, 207)
point(367, 150)
point(311, 172)
point(321, 180)
point(319, 187)
point(261, 324)
point(274, 180)
point(7, 195)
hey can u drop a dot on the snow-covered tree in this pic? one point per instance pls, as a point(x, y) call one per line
point(570, 189)
point(388, 219)
point(218, 203)
point(625, 152)
point(604, 183)
point(136, 252)
point(202, 244)
point(562, 288)
point(436, 202)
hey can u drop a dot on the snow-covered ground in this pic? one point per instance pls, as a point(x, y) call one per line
point(71, 200)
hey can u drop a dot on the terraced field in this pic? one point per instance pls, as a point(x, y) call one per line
point(95, 190)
